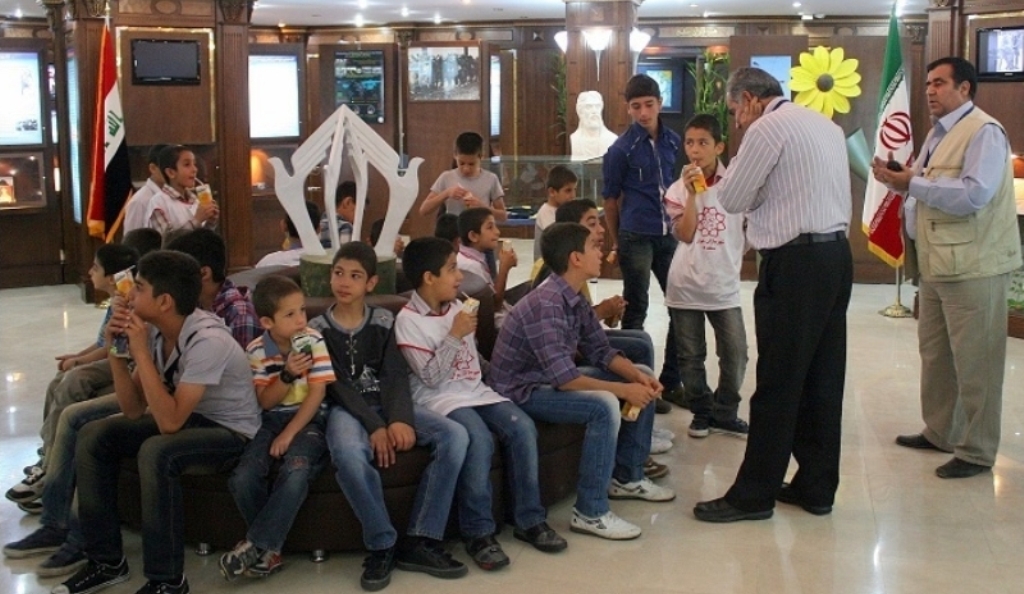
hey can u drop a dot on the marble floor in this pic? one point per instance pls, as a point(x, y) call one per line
point(896, 528)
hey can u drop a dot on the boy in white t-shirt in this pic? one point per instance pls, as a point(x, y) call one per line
point(704, 281)
point(561, 187)
point(434, 331)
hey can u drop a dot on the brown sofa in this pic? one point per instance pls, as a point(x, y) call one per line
point(326, 522)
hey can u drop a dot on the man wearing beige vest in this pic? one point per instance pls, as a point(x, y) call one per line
point(961, 218)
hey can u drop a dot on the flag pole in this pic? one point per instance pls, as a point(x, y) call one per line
point(897, 310)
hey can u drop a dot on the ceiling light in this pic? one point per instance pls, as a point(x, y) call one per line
point(796, 5)
point(437, 19)
point(807, 17)
point(361, 4)
point(405, 11)
point(359, 20)
point(17, 13)
point(281, 24)
point(694, 5)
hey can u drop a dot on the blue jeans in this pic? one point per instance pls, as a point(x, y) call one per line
point(59, 491)
point(639, 256)
point(731, 348)
point(636, 345)
point(200, 446)
point(518, 437)
point(270, 515)
point(77, 384)
point(611, 447)
point(360, 480)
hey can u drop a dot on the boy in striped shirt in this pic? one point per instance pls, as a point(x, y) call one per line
point(291, 369)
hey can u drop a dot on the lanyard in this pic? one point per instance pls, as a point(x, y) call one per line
point(928, 155)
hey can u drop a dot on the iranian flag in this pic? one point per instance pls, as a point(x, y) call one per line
point(111, 174)
point(881, 218)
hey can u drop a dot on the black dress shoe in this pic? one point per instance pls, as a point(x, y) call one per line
point(662, 407)
point(957, 468)
point(720, 511)
point(917, 442)
point(789, 496)
point(542, 537)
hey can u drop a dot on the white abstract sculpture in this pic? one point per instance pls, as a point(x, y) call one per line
point(342, 132)
point(592, 138)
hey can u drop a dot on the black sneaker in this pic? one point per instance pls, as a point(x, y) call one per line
point(94, 577)
point(155, 587)
point(68, 559)
point(34, 508)
point(487, 553)
point(542, 537)
point(236, 561)
point(427, 555)
point(699, 426)
point(44, 540)
point(377, 568)
point(736, 427)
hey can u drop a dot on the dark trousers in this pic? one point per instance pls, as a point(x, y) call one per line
point(800, 315)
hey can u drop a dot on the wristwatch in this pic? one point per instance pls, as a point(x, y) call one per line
point(287, 377)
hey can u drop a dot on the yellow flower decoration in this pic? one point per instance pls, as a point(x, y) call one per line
point(824, 80)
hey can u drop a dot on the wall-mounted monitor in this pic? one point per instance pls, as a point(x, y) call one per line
point(359, 83)
point(669, 76)
point(1000, 54)
point(165, 62)
point(274, 96)
point(21, 118)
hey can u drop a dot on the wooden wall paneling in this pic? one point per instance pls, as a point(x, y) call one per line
point(507, 142)
point(178, 13)
point(941, 34)
point(233, 175)
point(171, 114)
point(539, 133)
point(431, 128)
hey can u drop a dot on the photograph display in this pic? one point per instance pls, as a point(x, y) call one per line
point(359, 83)
point(444, 73)
point(21, 119)
point(273, 96)
point(778, 67)
point(670, 81)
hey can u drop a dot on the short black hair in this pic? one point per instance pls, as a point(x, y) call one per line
point(346, 189)
point(176, 274)
point(169, 155)
point(706, 122)
point(314, 217)
point(573, 210)
point(423, 255)
point(559, 241)
point(114, 258)
point(154, 154)
point(143, 239)
point(469, 143)
point(270, 291)
point(963, 71)
point(358, 251)
point(472, 220)
point(447, 227)
point(207, 248)
point(642, 85)
point(561, 176)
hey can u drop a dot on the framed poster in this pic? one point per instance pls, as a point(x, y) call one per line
point(778, 67)
point(670, 80)
point(445, 73)
point(359, 83)
point(21, 181)
point(21, 119)
point(274, 96)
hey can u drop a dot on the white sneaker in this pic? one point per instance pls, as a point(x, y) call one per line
point(608, 526)
point(29, 489)
point(659, 445)
point(641, 489)
point(662, 434)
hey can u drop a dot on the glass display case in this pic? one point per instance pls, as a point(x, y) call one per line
point(524, 180)
point(21, 181)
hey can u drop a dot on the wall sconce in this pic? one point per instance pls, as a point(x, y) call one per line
point(598, 40)
point(638, 40)
point(562, 39)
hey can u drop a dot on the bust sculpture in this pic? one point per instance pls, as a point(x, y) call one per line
point(592, 138)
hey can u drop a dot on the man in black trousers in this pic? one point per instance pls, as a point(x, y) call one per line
point(791, 178)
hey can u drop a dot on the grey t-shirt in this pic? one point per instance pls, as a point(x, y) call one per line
point(207, 354)
point(486, 187)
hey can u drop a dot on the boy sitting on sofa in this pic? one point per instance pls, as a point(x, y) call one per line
point(291, 369)
point(533, 365)
point(188, 406)
point(435, 333)
point(372, 418)
point(479, 234)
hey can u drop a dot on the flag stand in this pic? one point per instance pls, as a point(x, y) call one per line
point(897, 310)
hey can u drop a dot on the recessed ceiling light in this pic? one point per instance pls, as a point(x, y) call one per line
point(359, 20)
point(18, 13)
point(361, 4)
point(807, 17)
point(437, 19)
point(796, 5)
point(405, 11)
point(693, 5)
point(281, 24)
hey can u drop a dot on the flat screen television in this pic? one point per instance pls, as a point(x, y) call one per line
point(165, 62)
point(1000, 54)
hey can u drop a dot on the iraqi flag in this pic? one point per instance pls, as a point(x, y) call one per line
point(111, 174)
point(881, 219)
